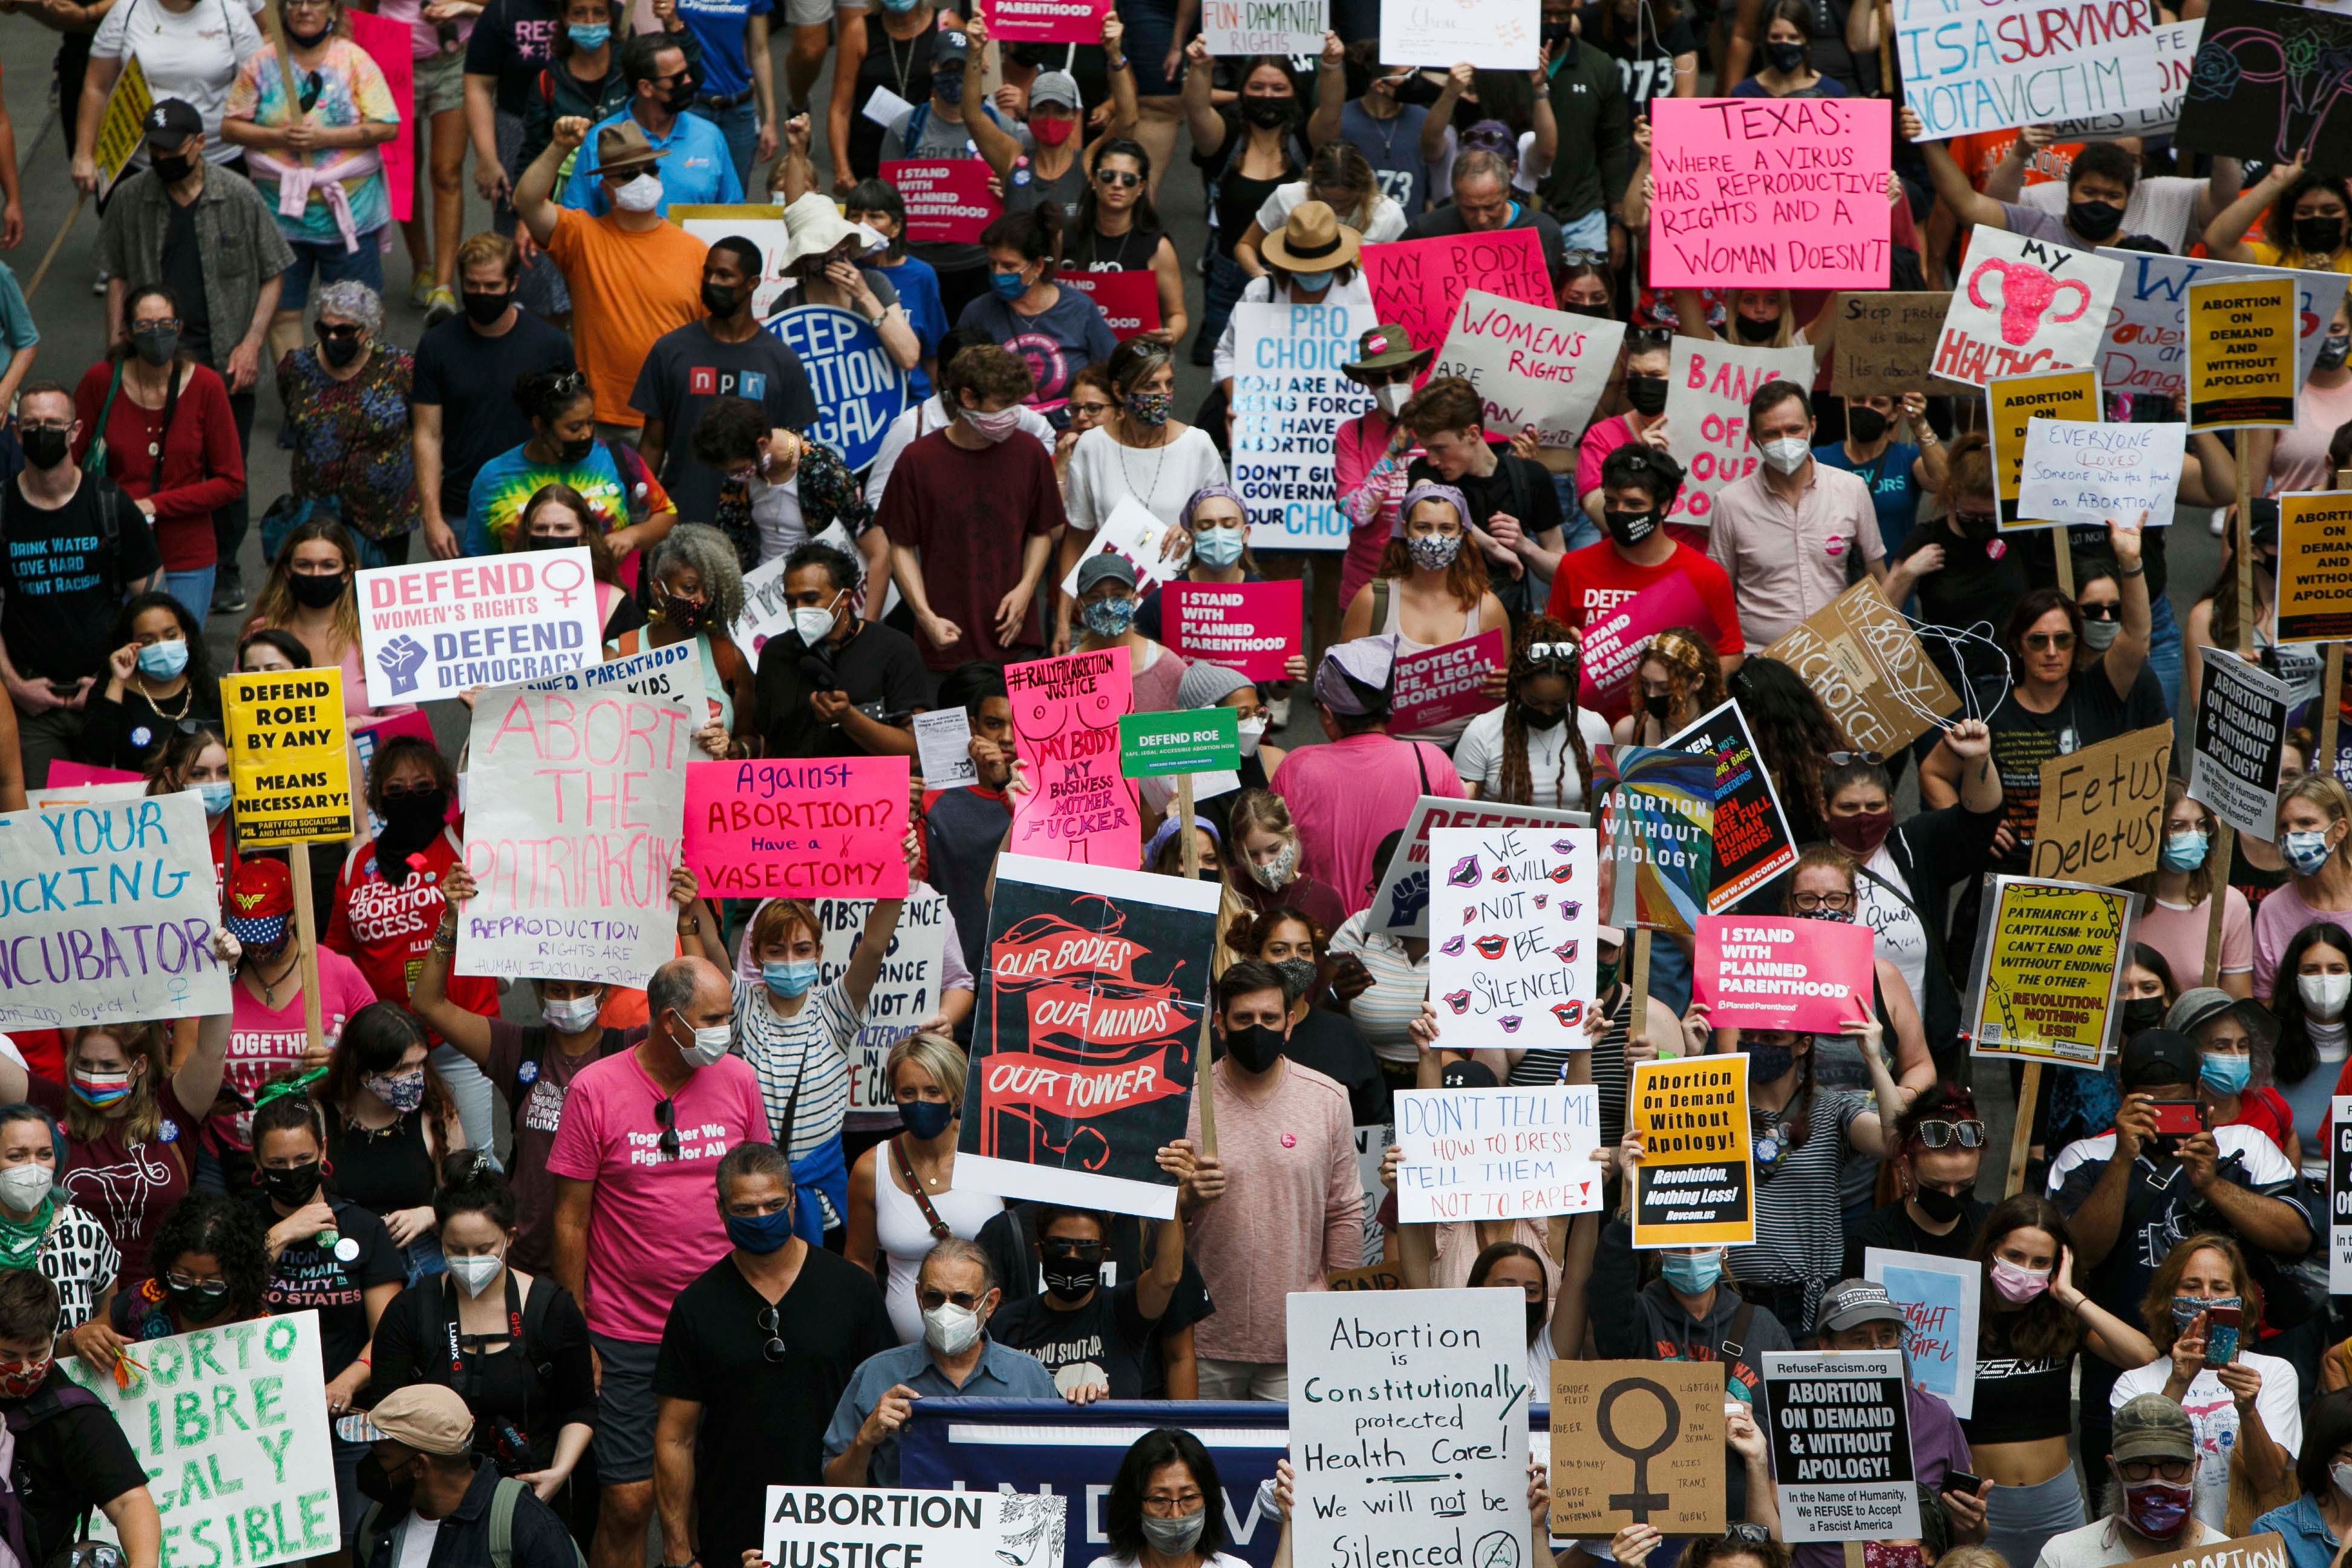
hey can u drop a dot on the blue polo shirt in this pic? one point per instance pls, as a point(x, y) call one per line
point(1002, 1373)
point(717, 27)
point(697, 168)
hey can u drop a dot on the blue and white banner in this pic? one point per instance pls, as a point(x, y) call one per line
point(859, 387)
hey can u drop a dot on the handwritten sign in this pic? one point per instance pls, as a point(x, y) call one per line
point(1993, 69)
point(1420, 284)
point(1805, 975)
point(1129, 299)
point(1636, 1442)
point(1838, 1424)
point(2268, 84)
point(2047, 965)
point(1657, 816)
point(1939, 1298)
point(1514, 917)
point(2146, 346)
point(1770, 193)
point(1254, 628)
point(1501, 36)
point(2239, 743)
point(435, 629)
point(1614, 642)
point(1135, 534)
point(906, 992)
point(1532, 366)
point(1751, 839)
point(1289, 401)
point(2314, 571)
point(886, 1525)
point(1497, 1153)
point(1065, 714)
point(2090, 473)
point(289, 757)
point(1401, 902)
point(2102, 814)
point(786, 829)
point(673, 674)
point(1240, 28)
point(2024, 305)
point(948, 199)
point(1885, 343)
point(2014, 402)
point(2242, 354)
point(1695, 1185)
point(1708, 390)
point(1866, 664)
point(1443, 683)
point(2173, 49)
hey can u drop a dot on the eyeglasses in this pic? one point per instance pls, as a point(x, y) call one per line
point(1174, 1502)
point(2149, 1470)
point(1811, 903)
point(2049, 642)
point(1554, 653)
point(1396, 375)
point(933, 1300)
point(2113, 612)
point(1094, 408)
point(1126, 180)
point(771, 1319)
point(179, 1281)
point(1584, 258)
point(666, 1116)
point(1968, 1135)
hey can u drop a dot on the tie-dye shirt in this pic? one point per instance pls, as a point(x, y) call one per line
point(510, 480)
point(351, 91)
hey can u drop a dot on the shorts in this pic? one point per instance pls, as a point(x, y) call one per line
point(440, 85)
point(815, 12)
point(626, 1409)
point(332, 264)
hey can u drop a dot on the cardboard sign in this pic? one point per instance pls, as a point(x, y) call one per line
point(2102, 814)
point(1885, 343)
point(907, 992)
point(1613, 645)
point(1375, 1369)
point(1657, 817)
point(1443, 683)
point(2265, 1551)
point(1420, 284)
point(1708, 391)
point(859, 388)
point(2314, 571)
point(1281, 27)
point(825, 827)
point(2164, 56)
point(2268, 84)
point(1811, 977)
point(1782, 193)
point(2242, 339)
point(1044, 21)
point(1497, 1153)
point(1696, 1183)
point(1866, 664)
point(231, 1424)
point(2240, 741)
point(1636, 1442)
point(1254, 628)
point(2146, 346)
point(1188, 741)
point(1838, 1424)
point(1514, 919)
point(1129, 299)
point(943, 748)
point(110, 908)
point(1135, 534)
point(2012, 402)
point(761, 223)
point(948, 199)
point(435, 629)
point(1750, 835)
point(2092, 474)
point(1502, 35)
point(1532, 366)
point(2048, 963)
point(2025, 305)
point(1289, 401)
point(289, 761)
point(2026, 62)
point(122, 129)
point(391, 45)
point(1065, 714)
point(870, 1524)
point(1940, 1297)
point(1083, 1051)
point(1401, 902)
point(2340, 1194)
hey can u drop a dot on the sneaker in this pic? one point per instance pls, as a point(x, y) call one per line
point(228, 599)
point(98, 284)
point(440, 305)
point(420, 291)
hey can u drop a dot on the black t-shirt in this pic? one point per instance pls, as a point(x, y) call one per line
point(471, 379)
point(534, 1388)
point(1235, 199)
point(1006, 1237)
point(1892, 1228)
point(308, 1276)
point(1645, 64)
point(1107, 1340)
point(879, 667)
point(1331, 1046)
point(1980, 580)
point(184, 272)
point(687, 370)
point(763, 1421)
point(2023, 740)
point(61, 591)
point(513, 40)
point(1518, 489)
point(70, 1463)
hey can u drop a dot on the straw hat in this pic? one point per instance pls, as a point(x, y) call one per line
point(1312, 241)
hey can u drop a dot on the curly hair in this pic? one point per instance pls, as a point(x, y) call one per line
point(352, 300)
point(1517, 782)
point(712, 556)
point(1693, 674)
point(1248, 937)
point(225, 1229)
point(1793, 732)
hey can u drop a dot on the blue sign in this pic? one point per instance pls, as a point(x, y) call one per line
point(859, 387)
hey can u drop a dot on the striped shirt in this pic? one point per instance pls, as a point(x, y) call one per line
point(807, 1052)
point(1399, 986)
point(1799, 1225)
point(1610, 1075)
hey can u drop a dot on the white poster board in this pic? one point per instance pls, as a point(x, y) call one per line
point(1289, 401)
point(2077, 472)
point(1492, 35)
point(1531, 366)
point(1279, 28)
point(765, 612)
point(1134, 533)
point(1838, 1427)
point(1707, 415)
point(1960, 81)
point(906, 992)
point(1497, 1153)
point(2146, 346)
point(2024, 305)
point(887, 1525)
point(2239, 741)
point(435, 629)
point(944, 749)
point(1513, 914)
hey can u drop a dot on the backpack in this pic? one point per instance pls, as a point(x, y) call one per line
point(504, 1500)
point(33, 1413)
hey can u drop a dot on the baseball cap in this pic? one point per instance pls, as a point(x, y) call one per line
point(1056, 86)
point(1095, 568)
point(950, 51)
point(172, 121)
point(2150, 1426)
point(429, 1417)
point(260, 901)
point(2154, 1057)
point(1849, 1303)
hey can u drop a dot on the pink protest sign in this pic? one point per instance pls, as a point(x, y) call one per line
point(64, 774)
point(1614, 642)
point(1065, 714)
point(1253, 627)
point(1429, 689)
point(948, 199)
point(1775, 192)
point(1043, 21)
point(1418, 283)
point(387, 43)
point(1805, 976)
point(785, 829)
point(1130, 299)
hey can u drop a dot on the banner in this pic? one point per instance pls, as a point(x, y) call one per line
point(2314, 571)
point(765, 612)
point(2242, 338)
point(2025, 305)
point(1497, 1153)
point(2101, 818)
point(859, 387)
point(1082, 1051)
point(1767, 193)
point(826, 827)
point(2092, 474)
point(107, 913)
point(2340, 1194)
point(1749, 835)
point(1288, 403)
point(1811, 977)
point(290, 759)
point(1839, 1427)
point(1636, 1442)
point(2009, 63)
point(1254, 628)
point(2012, 402)
point(1532, 366)
point(1420, 284)
point(2049, 958)
point(1401, 902)
point(1444, 683)
point(2146, 346)
point(1866, 664)
point(2239, 742)
point(1186, 741)
point(1695, 1183)
point(907, 992)
point(948, 199)
point(1241, 28)
point(1135, 534)
point(122, 127)
point(887, 1524)
point(1513, 919)
point(435, 629)
point(1708, 391)
point(1657, 815)
point(1065, 714)
point(2268, 84)
point(1500, 36)
point(1613, 641)
point(577, 805)
point(1129, 299)
point(2174, 49)
point(1939, 1298)
point(231, 1424)
point(391, 44)
point(1885, 343)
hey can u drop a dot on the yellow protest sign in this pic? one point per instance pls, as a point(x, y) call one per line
point(2102, 811)
point(289, 757)
point(1695, 1185)
point(2049, 958)
point(2011, 402)
point(2242, 334)
point(1636, 1442)
point(2315, 575)
point(122, 124)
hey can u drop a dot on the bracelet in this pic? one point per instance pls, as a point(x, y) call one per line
point(1114, 65)
point(2134, 570)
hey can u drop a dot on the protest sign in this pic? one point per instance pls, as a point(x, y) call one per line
point(1696, 1183)
point(784, 829)
point(948, 199)
point(1657, 816)
point(2145, 348)
point(2340, 1194)
point(1514, 917)
point(1707, 389)
point(1083, 1052)
point(1065, 714)
point(2268, 84)
point(1838, 1424)
point(2242, 339)
point(1532, 366)
point(1866, 664)
point(1811, 977)
point(859, 388)
point(1370, 1276)
point(1044, 21)
point(2314, 571)
point(1186, 741)
point(1135, 534)
point(2049, 958)
point(1409, 1425)
point(1419, 284)
point(2013, 402)
point(108, 909)
point(2091, 474)
point(577, 805)
point(766, 613)
point(66, 773)
point(1636, 1442)
point(1885, 343)
point(2027, 62)
point(1281, 27)
point(231, 1424)
point(1750, 837)
point(761, 223)
point(2025, 305)
point(435, 629)
point(84, 794)
point(889, 1524)
point(906, 992)
point(2101, 818)
point(123, 127)
point(943, 748)
point(671, 674)
point(391, 45)
point(1614, 640)
point(289, 761)
point(2173, 48)
point(1289, 400)
point(2240, 741)
point(1400, 903)
point(1443, 683)
point(1497, 1153)
point(1769, 194)
point(1939, 1298)
point(1500, 34)
point(1129, 298)
point(1254, 628)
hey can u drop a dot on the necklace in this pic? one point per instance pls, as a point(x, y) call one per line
point(902, 71)
point(268, 986)
point(1159, 464)
point(187, 696)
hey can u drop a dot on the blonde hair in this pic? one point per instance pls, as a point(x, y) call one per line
point(935, 1055)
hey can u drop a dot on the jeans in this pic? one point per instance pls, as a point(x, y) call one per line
point(740, 126)
point(1577, 530)
point(1589, 232)
point(1221, 293)
point(193, 590)
point(375, 552)
point(470, 1090)
point(2164, 649)
point(332, 264)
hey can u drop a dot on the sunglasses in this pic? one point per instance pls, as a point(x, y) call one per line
point(1968, 1135)
point(666, 1116)
point(1554, 653)
point(312, 87)
point(343, 333)
point(2113, 612)
point(770, 1320)
point(1126, 180)
point(2049, 642)
point(208, 1287)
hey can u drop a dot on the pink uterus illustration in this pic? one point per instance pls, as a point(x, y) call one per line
point(2026, 295)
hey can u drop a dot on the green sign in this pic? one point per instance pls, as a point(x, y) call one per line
point(1189, 741)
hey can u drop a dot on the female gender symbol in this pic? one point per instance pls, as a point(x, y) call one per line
point(1639, 1501)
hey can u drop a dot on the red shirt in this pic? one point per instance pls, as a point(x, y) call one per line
point(1597, 579)
point(202, 465)
point(385, 930)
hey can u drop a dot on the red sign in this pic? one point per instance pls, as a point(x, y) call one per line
point(1130, 299)
point(388, 44)
point(1043, 21)
point(1813, 977)
point(1614, 642)
point(1253, 627)
point(1431, 689)
point(1418, 283)
point(948, 199)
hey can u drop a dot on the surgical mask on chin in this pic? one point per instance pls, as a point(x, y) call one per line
point(2324, 996)
point(794, 977)
point(215, 793)
point(1217, 546)
point(1391, 399)
point(814, 625)
point(642, 194)
point(1175, 1537)
point(569, 1016)
point(2225, 1075)
point(1433, 552)
point(1276, 874)
point(2184, 851)
point(1787, 454)
point(474, 1274)
point(1253, 730)
point(949, 1328)
point(1692, 1273)
point(708, 1045)
point(2100, 635)
point(2306, 852)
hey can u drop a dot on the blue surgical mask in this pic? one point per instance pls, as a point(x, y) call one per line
point(791, 978)
point(926, 1118)
point(593, 36)
point(2226, 1075)
point(1691, 1273)
point(2306, 852)
point(215, 796)
point(1108, 617)
point(2184, 851)
point(1008, 285)
point(162, 661)
point(1312, 282)
point(761, 1234)
point(1217, 546)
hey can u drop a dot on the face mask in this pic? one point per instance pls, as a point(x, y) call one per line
point(720, 300)
point(761, 1234)
point(1052, 131)
point(1255, 1047)
point(483, 308)
point(1832, 917)
point(1312, 282)
point(900, 7)
point(1595, 313)
point(680, 97)
point(1768, 1064)
point(1977, 525)
point(814, 625)
point(162, 661)
point(1008, 286)
point(1861, 834)
point(593, 36)
point(2324, 996)
point(1657, 706)
point(1941, 1206)
point(1750, 331)
point(1604, 976)
point(2332, 350)
point(709, 1045)
point(1787, 454)
point(308, 40)
point(18, 1379)
point(418, 813)
point(1297, 973)
point(1391, 399)
point(2094, 220)
point(1865, 425)
point(2016, 1285)
point(1629, 528)
point(1276, 873)
point(926, 1118)
point(1648, 394)
point(993, 427)
point(22, 1187)
point(684, 614)
point(1069, 1280)
point(1691, 1273)
point(1174, 1537)
point(1214, 546)
point(315, 591)
point(2306, 852)
point(1108, 617)
point(1785, 58)
point(340, 351)
point(794, 977)
point(2141, 1014)
point(1541, 721)
point(195, 1306)
point(380, 1485)
point(1433, 552)
point(642, 194)
point(1557, 32)
point(2318, 236)
point(2184, 851)
point(171, 170)
point(45, 445)
point(403, 1091)
point(474, 1274)
point(951, 1330)
point(2225, 1075)
point(292, 1186)
point(572, 454)
point(2158, 1509)
point(1253, 730)
point(2100, 635)
point(947, 87)
point(156, 345)
point(1267, 112)
point(215, 794)
point(1149, 409)
point(571, 1015)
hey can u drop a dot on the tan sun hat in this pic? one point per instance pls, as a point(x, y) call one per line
point(1313, 240)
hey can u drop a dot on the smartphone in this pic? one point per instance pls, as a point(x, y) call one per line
point(2178, 1119)
point(1964, 1483)
point(2221, 1334)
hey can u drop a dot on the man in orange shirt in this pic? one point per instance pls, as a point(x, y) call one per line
point(633, 275)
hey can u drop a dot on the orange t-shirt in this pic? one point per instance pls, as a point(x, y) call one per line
point(1978, 154)
point(627, 289)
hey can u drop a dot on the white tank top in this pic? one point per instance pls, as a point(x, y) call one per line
point(906, 1235)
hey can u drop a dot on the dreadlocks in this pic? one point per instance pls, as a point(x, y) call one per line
point(1562, 659)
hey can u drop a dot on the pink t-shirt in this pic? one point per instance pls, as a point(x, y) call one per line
point(1346, 797)
point(264, 1042)
point(654, 1225)
point(2179, 933)
point(2281, 915)
point(1362, 442)
point(2299, 462)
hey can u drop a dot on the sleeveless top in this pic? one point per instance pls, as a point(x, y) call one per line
point(905, 68)
point(1444, 735)
point(904, 1236)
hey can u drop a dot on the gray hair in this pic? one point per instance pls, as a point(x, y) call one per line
point(1480, 164)
point(712, 555)
point(752, 1160)
point(956, 1249)
point(671, 988)
point(354, 301)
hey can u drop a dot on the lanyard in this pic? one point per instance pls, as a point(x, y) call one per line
point(464, 1372)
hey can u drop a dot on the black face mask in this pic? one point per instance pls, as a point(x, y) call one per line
point(2094, 220)
point(684, 614)
point(292, 1186)
point(1267, 112)
point(720, 300)
point(1255, 1048)
point(681, 96)
point(1067, 1280)
point(483, 308)
point(1597, 312)
point(1557, 32)
point(338, 352)
point(315, 591)
point(1629, 528)
point(1418, 89)
point(1977, 525)
point(1940, 1206)
point(1786, 59)
point(576, 452)
point(1648, 394)
point(1865, 425)
point(45, 445)
point(308, 40)
point(1752, 330)
point(2141, 1014)
point(2151, 408)
point(1539, 723)
point(415, 815)
point(2319, 235)
point(382, 1485)
point(194, 1306)
point(171, 170)
point(1536, 1312)
point(1657, 707)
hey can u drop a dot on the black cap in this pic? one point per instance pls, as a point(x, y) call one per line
point(172, 121)
point(1461, 1072)
point(2156, 1056)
